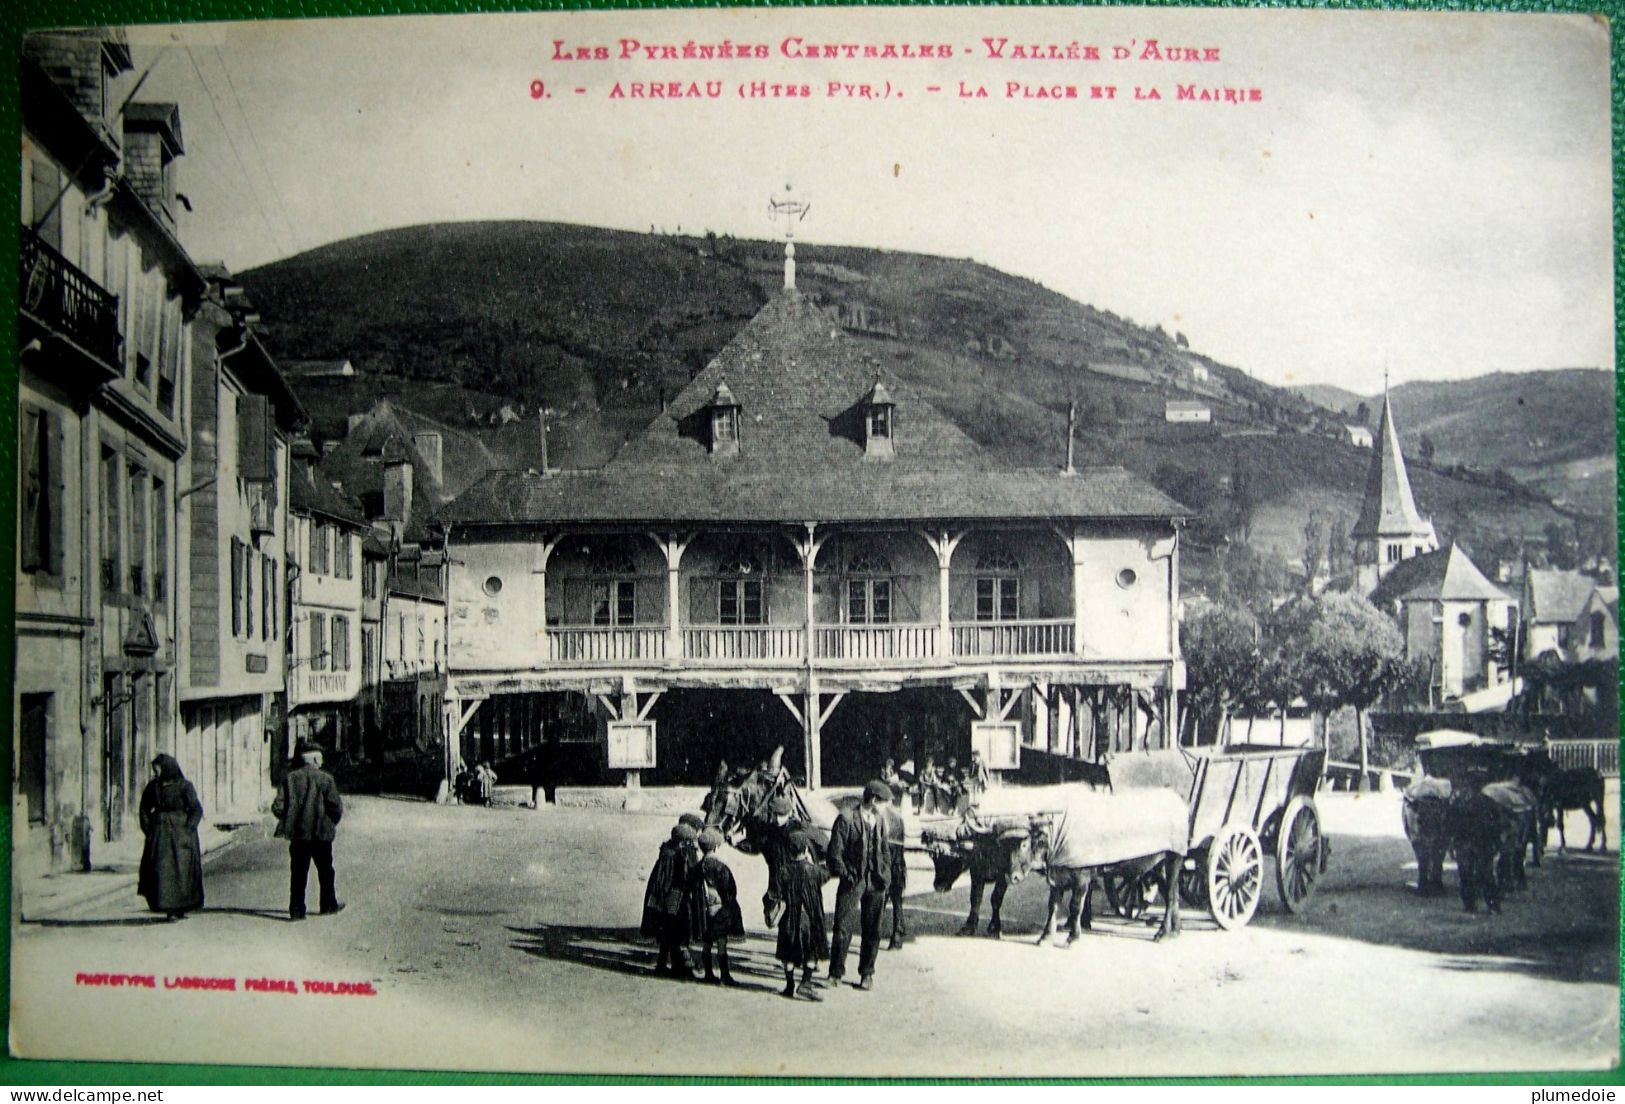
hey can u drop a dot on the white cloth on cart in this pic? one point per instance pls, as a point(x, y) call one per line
point(1089, 826)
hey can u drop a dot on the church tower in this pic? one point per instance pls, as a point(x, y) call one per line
point(1389, 528)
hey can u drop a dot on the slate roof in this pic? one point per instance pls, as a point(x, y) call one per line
point(1559, 596)
point(313, 495)
point(801, 384)
point(1388, 510)
point(1448, 575)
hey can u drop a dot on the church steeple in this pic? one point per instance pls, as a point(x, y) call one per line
point(1389, 528)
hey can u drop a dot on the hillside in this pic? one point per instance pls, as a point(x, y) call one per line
point(480, 325)
point(1551, 430)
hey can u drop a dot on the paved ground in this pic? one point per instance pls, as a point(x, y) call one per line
point(506, 938)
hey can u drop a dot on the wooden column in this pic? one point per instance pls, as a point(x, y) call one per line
point(543, 552)
point(672, 546)
point(943, 542)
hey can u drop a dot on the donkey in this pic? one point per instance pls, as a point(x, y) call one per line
point(997, 859)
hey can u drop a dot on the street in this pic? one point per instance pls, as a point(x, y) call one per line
point(506, 938)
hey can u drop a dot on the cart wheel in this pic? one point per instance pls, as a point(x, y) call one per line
point(1193, 880)
point(1299, 854)
point(1130, 895)
point(1235, 876)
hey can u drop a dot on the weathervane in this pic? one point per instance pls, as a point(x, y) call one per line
point(792, 211)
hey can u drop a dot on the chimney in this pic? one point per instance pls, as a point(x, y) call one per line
point(541, 416)
point(428, 446)
point(152, 143)
point(789, 266)
point(398, 490)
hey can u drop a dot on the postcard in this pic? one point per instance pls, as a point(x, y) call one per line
point(901, 542)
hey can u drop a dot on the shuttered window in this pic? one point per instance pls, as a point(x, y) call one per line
point(42, 483)
point(341, 643)
point(236, 587)
point(160, 539)
point(255, 458)
point(318, 642)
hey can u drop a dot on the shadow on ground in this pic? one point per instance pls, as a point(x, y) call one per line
point(1564, 926)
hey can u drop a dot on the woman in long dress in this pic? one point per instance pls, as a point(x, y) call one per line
point(172, 859)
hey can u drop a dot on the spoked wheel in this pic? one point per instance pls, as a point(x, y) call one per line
point(1300, 854)
point(1235, 876)
point(1130, 894)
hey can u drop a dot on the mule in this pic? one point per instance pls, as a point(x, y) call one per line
point(999, 860)
point(1073, 886)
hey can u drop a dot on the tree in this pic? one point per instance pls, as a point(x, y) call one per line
point(1562, 546)
point(1339, 546)
point(1314, 547)
point(1352, 655)
point(1362, 414)
point(1243, 497)
point(1221, 650)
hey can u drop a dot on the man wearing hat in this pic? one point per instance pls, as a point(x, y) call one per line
point(308, 808)
point(857, 856)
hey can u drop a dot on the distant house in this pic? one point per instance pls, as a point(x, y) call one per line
point(1184, 410)
point(1359, 436)
point(317, 369)
point(1198, 373)
point(1569, 613)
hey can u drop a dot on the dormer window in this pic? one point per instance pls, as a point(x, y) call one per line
point(724, 422)
point(877, 421)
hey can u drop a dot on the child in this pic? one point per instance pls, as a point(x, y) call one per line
point(802, 938)
point(667, 905)
point(717, 901)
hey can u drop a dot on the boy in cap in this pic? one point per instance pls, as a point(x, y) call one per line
point(776, 851)
point(717, 901)
point(857, 856)
point(802, 943)
point(668, 913)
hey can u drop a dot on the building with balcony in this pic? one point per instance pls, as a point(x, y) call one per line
point(106, 299)
point(325, 534)
point(800, 529)
point(233, 540)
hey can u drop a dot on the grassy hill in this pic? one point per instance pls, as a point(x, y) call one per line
point(479, 325)
point(1551, 430)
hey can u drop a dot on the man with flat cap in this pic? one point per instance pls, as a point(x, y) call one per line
point(308, 808)
point(857, 856)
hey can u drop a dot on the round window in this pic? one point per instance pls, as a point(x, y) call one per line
point(1127, 578)
point(1465, 620)
point(493, 586)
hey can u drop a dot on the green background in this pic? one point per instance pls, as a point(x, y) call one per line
point(20, 16)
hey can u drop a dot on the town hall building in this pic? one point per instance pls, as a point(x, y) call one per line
point(801, 551)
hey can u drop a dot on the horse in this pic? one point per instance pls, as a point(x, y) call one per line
point(1560, 791)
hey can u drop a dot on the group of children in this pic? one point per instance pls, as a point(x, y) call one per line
point(692, 898)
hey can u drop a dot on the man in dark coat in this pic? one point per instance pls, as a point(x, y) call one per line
point(308, 809)
point(857, 857)
point(892, 812)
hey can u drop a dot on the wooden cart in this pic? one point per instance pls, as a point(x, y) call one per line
point(1245, 801)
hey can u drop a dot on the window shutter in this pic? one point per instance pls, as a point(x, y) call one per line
point(236, 587)
point(254, 458)
point(34, 505)
point(55, 488)
point(47, 184)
